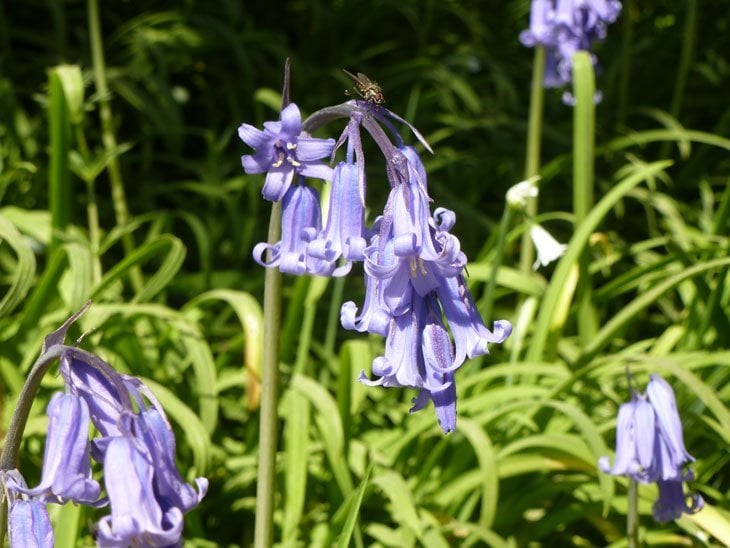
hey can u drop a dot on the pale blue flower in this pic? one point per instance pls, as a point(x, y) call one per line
point(29, 525)
point(673, 502)
point(66, 473)
point(283, 151)
point(564, 27)
point(650, 448)
point(301, 222)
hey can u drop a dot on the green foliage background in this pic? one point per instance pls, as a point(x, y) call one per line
point(176, 293)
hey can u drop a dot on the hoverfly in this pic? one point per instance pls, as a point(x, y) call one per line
point(367, 89)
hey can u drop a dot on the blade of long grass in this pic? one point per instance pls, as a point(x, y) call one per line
point(584, 115)
point(545, 326)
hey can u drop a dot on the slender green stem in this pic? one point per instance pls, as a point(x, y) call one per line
point(9, 455)
point(488, 298)
point(626, 56)
point(92, 210)
point(60, 140)
point(632, 515)
point(119, 199)
point(532, 154)
point(685, 60)
point(333, 316)
point(268, 419)
point(584, 114)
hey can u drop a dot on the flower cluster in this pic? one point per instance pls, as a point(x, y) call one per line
point(650, 448)
point(414, 266)
point(135, 445)
point(564, 27)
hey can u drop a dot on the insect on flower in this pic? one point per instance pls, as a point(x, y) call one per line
point(366, 88)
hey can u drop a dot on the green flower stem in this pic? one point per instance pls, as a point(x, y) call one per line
point(268, 417)
point(488, 299)
point(109, 140)
point(584, 114)
point(685, 60)
point(626, 56)
point(632, 515)
point(60, 141)
point(9, 455)
point(532, 155)
point(333, 316)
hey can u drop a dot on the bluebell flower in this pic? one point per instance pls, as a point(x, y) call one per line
point(343, 235)
point(66, 473)
point(564, 27)
point(673, 502)
point(650, 448)
point(28, 522)
point(301, 223)
point(137, 517)
point(414, 277)
point(283, 151)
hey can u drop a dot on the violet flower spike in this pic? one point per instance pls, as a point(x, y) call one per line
point(564, 27)
point(283, 151)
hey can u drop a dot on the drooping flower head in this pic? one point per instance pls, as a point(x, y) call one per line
point(650, 448)
point(135, 444)
point(413, 264)
point(564, 27)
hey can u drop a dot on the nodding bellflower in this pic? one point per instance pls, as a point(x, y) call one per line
point(416, 295)
point(650, 448)
point(135, 445)
point(564, 27)
point(28, 522)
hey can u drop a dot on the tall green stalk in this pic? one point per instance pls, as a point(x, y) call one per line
point(632, 515)
point(59, 190)
point(685, 60)
point(626, 56)
point(268, 416)
point(584, 116)
point(532, 154)
point(109, 140)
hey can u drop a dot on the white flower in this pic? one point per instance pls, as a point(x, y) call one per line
point(548, 248)
point(518, 195)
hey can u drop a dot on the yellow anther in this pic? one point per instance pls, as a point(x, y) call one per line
point(291, 146)
point(414, 266)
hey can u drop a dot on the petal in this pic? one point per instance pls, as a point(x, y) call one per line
point(291, 122)
point(661, 397)
point(253, 164)
point(672, 502)
point(312, 148)
point(278, 181)
point(252, 136)
point(316, 170)
point(170, 489)
point(66, 460)
point(645, 433)
point(136, 514)
point(29, 525)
